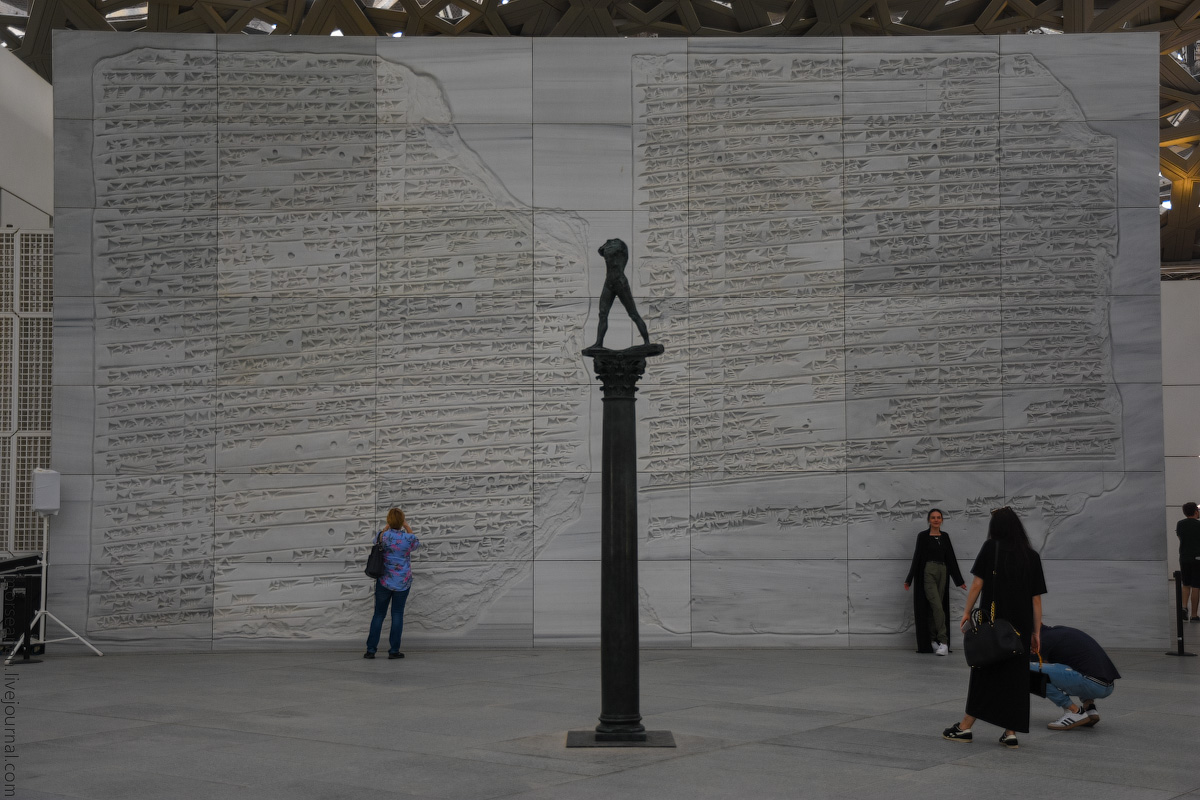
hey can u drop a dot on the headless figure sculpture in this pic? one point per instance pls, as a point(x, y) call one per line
point(616, 285)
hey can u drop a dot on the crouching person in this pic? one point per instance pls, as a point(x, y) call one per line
point(1076, 666)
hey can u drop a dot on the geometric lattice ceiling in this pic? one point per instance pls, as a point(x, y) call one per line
point(26, 25)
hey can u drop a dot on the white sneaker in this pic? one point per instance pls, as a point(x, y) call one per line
point(941, 649)
point(1069, 720)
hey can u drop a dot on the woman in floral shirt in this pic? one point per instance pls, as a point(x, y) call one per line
point(398, 541)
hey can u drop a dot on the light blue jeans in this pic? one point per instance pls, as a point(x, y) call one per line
point(1065, 682)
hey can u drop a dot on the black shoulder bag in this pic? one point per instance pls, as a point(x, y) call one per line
point(990, 641)
point(375, 561)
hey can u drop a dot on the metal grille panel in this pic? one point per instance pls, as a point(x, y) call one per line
point(36, 254)
point(30, 451)
point(26, 339)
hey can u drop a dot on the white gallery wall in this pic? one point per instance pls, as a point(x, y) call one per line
point(301, 280)
point(1181, 404)
point(26, 163)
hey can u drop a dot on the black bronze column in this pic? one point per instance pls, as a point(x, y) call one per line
point(619, 371)
point(620, 717)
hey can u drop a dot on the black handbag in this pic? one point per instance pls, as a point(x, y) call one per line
point(991, 640)
point(375, 561)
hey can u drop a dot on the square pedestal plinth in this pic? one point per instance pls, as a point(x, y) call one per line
point(592, 739)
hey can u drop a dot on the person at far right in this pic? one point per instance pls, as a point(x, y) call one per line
point(1188, 531)
point(1008, 572)
point(1076, 665)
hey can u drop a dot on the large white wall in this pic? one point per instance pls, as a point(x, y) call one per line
point(296, 287)
point(1181, 402)
point(27, 162)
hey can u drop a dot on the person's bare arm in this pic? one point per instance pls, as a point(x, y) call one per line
point(972, 596)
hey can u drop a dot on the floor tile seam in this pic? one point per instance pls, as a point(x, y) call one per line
point(827, 748)
point(780, 711)
point(498, 763)
point(556, 762)
point(124, 772)
point(768, 743)
point(524, 792)
point(1050, 769)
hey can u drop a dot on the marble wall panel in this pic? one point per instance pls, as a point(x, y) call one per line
point(289, 600)
point(564, 267)
point(475, 517)
point(454, 605)
point(73, 515)
point(1133, 274)
point(769, 517)
point(585, 167)
point(1089, 515)
point(886, 511)
point(72, 149)
point(664, 603)
point(568, 507)
point(73, 253)
point(342, 275)
point(572, 79)
point(881, 610)
point(1132, 613)
point(73, 422)
point(785, 602)
point(1072, 60)
point(1183, 429)
point(301, 254)
point(501, 93)
point(1144, 418)
point(74, 333)
point(1136, 348)
point(567, 603)
point(1180, 356)
point(1183, 486)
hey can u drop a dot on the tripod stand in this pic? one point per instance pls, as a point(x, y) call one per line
point(39, 619)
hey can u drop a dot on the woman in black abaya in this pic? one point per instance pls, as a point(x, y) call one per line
point(933, 567)
point(1009, 573)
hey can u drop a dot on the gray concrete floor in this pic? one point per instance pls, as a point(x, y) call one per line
point(459, 724)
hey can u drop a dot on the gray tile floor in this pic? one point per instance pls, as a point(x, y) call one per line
point(455, 725)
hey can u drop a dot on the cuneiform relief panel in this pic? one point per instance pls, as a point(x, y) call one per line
point(346, 307)
point(320, 292)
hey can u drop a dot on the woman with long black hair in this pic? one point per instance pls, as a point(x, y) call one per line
point(1008, 572)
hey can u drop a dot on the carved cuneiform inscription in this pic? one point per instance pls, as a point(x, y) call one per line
point(310, 288)
point(946, 264)
point(315, 300)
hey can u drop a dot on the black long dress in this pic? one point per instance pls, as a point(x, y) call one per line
point(916, 585)
point(999, 694)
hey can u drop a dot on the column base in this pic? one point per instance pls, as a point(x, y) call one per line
point(593, 739)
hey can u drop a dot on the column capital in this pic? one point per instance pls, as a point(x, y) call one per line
point(620, 370)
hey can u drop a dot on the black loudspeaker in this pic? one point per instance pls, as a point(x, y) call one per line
point(45, 491)
point(20, 596)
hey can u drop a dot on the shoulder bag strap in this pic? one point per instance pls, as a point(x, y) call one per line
point(995, 579)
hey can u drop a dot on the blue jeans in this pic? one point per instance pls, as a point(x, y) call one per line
point(384, 596)
point(1065, 681)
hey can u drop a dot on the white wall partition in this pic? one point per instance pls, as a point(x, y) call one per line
point(302, 280)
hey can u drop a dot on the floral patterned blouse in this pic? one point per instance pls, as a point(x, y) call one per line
point(397, 569)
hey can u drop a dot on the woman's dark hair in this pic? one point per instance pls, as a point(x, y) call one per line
point(1005, 527)
point(930, 514)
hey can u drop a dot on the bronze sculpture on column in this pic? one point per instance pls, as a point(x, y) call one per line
point(619, 371)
